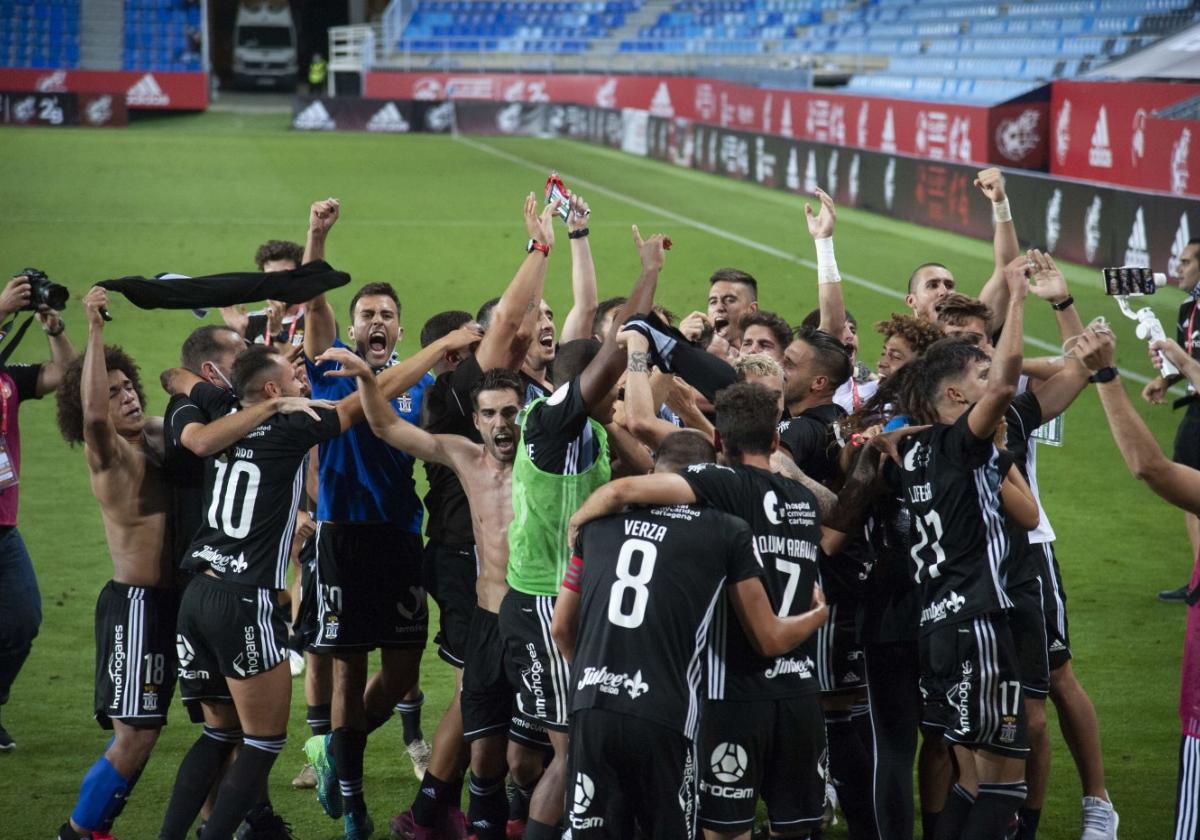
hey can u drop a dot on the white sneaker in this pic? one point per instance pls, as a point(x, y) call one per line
point(420, 752)
point(297, 662)
point(1099, 819)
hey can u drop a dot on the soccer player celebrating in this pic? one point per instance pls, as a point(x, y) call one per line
point(562, 457)
point(100, 405)
point(633, 617)
point(485, 471)
point(950, 478)
point(764, 710)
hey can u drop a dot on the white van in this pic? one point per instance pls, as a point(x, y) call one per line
point(264, 46)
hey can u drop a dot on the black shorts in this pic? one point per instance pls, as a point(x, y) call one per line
point(971, 685)
point(538, 672)
point(1054, 606)
point(762, 748)
point(449, 573)
point(840, 665)
point(226, 631)
point(135, 654)
point(533, 735)
point(1028, 625)
point(625, 771)
point(305, 628)
point(1187, 437)
point(370, 593)
point(487, 696)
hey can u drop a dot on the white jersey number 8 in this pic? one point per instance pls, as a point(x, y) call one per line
point(629, 582)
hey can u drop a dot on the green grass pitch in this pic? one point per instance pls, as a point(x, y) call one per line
point(441, 219)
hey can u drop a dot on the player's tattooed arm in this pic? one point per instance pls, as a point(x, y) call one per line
point(641, 409)
point(769, 634)
point(1176, 483)
point(783, 464)
point(657, 489)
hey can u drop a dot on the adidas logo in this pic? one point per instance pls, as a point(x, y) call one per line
point(388, 118)
point(1179, 162)
point(314, 118)
point(1100, 154)
point(1057, 645)
point(785, 121)
point(810, 172)
point(1182, 235)
point(1054, 220)
point(660, 105)
point(888, 142)
point(1136, 251)
point(831, 173)
point(1062, 132)
point(793, 171)
point(145, 91)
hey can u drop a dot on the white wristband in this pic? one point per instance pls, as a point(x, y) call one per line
point(1001, 212)
point(827, 270)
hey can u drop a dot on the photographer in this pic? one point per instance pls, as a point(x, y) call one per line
point(20, 602)
point(1179, 484)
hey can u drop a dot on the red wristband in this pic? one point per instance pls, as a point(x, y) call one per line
point(534, 245)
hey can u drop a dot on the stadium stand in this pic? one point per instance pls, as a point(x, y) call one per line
point(162, 35)
point(39, 33)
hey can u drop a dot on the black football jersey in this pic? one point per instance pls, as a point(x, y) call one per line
point(1024, 417)
point(951, 483)
point(649, 582)
point(809, 438)
point(251, 494)
point(890, 605)
point(183, 468)
point(786, 523)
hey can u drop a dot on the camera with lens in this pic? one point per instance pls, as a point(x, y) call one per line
point(44, 292)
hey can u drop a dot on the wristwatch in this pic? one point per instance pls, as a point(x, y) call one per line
point(534, 245)
point(1105, 374)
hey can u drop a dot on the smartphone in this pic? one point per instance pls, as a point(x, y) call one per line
point(1128, 281)
point(556, 189)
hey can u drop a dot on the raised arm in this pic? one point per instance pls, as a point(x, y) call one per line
point(603, 371)
point(641, 412)
point(1058, 391)
point(829, 281)
point(769, 634)
point(657, 489)
point(578, 323)
point(1176, 483)
point(400, 377)
point(507, 339)
point(1005, 247)
point(385, 423)
point(320, 325)
point(62, 353)
point(104, 446)
point(1006, 359)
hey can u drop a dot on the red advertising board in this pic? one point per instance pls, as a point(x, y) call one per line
point(959, 133)
point(141, 89)
point(1106, 131)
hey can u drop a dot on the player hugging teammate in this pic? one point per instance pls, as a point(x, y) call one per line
point(680, 571)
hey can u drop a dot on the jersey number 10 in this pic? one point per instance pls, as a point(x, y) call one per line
point(627, 581)
point(221, 511)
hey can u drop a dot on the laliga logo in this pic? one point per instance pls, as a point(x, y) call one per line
point(1062, 133)
point(1053, 220)
point(606, 94)
point(889, 182)
point(863, 113)
point(1182, 237)
point(427, 89)
point(55, 82)
point(1091, 229)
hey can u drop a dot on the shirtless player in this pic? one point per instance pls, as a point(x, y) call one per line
point(486, 475)
point(100, 405)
